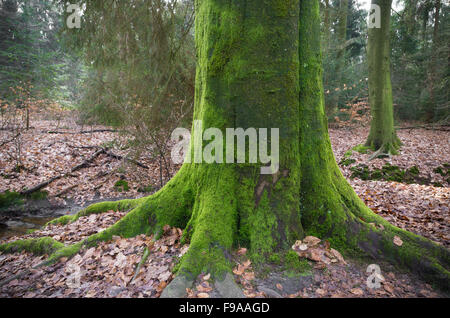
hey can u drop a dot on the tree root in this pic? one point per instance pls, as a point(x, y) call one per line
point(380, 153)
point(37, 246)
point(98, 208)
point(142, 262)
point(369, 234)
point(334, 213)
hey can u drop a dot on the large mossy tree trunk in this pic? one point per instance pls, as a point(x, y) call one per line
point(259, 65)
point(382, 136)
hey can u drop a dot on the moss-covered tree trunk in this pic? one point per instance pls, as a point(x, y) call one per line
point(259, 65)
point(382, 136)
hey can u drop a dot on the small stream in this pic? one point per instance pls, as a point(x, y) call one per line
point(19, 220)
point(20, 226)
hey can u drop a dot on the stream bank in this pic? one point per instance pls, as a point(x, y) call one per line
point(33, 214)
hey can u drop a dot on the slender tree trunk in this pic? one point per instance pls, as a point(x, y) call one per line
point(327, 26)
point(382, 136)
point(433, 68)
point(410, 16)
point(340, 57)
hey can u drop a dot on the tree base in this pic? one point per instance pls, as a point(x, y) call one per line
point(336, 215)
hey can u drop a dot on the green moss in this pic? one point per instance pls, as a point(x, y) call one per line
point(65, 251)
point(443, 170)
point(121, 186)
point(361, 171)
point(348, 154)
point(97, 208)
point(145, 189)
point(389, 173)
point(347, 162)
point(39, 195)
point(293, 264)
point(8, 199)
point(275, 259)
point(414, 170)
point(38, 246)
point(361, 149)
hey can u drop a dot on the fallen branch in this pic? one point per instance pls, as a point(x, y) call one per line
point(118, 157)
point(113, 155)
point(81, 132)
point(439, 128)
point(82, 165)
point(64, 191)
point(78, 167)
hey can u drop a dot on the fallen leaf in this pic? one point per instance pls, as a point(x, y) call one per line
point(242, 251)
point(357, 291)
point(311, 241)
point(398, 241)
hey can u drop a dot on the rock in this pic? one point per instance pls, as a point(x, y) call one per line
point(270, 293)
point(176, 288)
point(228, 288)
point(115, 290)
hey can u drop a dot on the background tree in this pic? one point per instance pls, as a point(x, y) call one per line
point(419, 87)
point(344, 62)
point(382, 136)
point(340, 57)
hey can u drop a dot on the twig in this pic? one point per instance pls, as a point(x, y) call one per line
point(138, 268)
point(81, 132)
point(8, 141)
point(64, 191)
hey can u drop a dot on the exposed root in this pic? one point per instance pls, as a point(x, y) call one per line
point(354, 229)
point(380, 153)
point(98, 208)
point(37, 246)
point(142, 262)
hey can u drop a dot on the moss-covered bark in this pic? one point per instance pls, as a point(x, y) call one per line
point(382, 136)
point(259, 65)
point(329, 206)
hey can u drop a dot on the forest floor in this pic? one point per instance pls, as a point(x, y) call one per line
point(417, 201)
